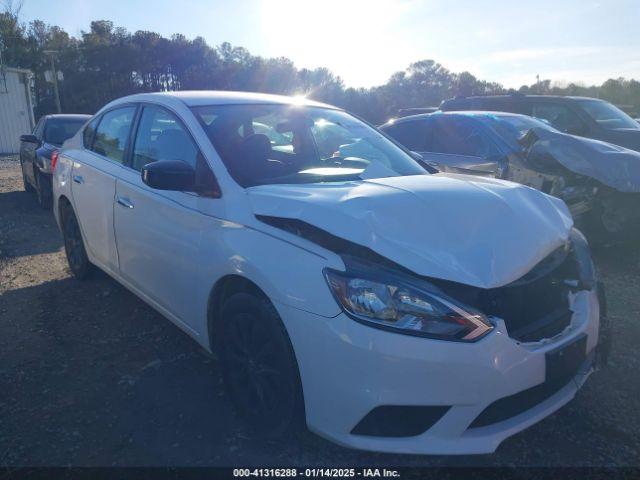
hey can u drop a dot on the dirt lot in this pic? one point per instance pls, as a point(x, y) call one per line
point(90, 375)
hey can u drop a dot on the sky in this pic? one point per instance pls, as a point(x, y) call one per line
point(365, 42)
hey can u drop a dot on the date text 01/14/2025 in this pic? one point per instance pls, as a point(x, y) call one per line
point(316, 473)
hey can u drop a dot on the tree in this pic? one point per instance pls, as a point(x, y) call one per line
point(107, 62)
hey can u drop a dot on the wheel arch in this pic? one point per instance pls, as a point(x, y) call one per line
point(223, 289)
point(64, 204)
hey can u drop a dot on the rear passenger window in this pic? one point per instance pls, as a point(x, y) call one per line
point(112, 133)
point(410, 134)
point(88, 133)
point(161, 136)
point(456, 136)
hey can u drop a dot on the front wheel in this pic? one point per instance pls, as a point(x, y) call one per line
point(74, 246)
point(259, 366)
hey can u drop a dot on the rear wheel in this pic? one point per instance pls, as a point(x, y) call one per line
point(259, 366)
point(74, 246)
point(43, 191)
point(25, 182)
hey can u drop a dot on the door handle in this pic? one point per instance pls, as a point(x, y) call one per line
point(125, 202)
point(78, 179)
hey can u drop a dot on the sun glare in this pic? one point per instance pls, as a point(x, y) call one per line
point(353, 38)
point(299, 99)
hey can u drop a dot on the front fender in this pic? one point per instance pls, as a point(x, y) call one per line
point(286, 273)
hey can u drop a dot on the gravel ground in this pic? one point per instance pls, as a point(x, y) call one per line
point(92, 376)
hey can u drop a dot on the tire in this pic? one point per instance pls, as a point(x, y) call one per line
point(259, 367)
point(79, 263)
point(27, 186)
point(601, 231)
point(43, 191)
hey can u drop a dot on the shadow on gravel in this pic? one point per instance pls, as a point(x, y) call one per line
point(26, 229)
point(91, 375)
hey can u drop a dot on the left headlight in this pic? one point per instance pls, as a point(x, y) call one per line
point(398, 306)
point(582, 254)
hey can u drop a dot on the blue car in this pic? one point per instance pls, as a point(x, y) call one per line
point(599, 182)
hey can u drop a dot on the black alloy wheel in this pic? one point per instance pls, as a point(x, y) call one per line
point(25, 182)
point(74, 246)
point(259, 366)
point(43, 191)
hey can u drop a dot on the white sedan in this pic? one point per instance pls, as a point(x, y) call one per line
point(341, 284)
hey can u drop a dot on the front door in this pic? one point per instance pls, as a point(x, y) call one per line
point(158, 232)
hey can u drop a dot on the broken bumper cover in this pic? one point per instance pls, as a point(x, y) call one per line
point(349, 369)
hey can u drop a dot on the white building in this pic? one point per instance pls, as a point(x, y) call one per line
point(16, 108)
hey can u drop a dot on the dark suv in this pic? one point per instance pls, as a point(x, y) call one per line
point(587, 117)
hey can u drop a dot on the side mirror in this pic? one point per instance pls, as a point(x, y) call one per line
point(29, 138)
point(170, 175)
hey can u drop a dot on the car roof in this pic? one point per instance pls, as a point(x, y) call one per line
point(519, 96)
point(452, 113)
point(67, 116)
point(195, 98)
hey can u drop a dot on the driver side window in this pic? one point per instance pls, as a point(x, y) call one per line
point(161, 136)
point(559, 116)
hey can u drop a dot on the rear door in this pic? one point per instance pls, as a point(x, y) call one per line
point(94, 181)
point(158, 232)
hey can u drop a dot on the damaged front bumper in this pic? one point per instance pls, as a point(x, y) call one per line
point(353, 376)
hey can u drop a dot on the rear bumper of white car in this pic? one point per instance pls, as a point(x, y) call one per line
point(348, 369)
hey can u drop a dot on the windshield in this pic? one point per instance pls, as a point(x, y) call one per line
point(608, 116)
point(266, 144)
point(58, 130)
point(512, 127)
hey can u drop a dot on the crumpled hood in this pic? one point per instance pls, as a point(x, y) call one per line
point(477, 231)
point(615, 166)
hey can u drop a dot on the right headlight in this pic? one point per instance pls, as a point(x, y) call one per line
point(398, 306)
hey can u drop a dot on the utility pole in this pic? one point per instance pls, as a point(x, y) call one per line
point(54, 74)
point(538, 84)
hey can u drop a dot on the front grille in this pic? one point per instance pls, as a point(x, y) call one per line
point(534, 307)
